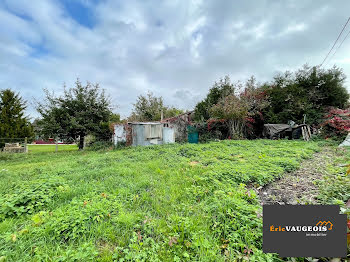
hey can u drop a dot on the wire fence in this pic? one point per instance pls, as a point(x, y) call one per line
point(25, 145)
point(32, 144)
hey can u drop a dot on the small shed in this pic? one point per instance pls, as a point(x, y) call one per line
point(143, 134)
point(275, 131)
point(180, 124)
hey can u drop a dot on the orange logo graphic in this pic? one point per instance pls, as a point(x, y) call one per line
point(325, 223)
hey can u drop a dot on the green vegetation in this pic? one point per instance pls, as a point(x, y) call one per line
point(80, 111)
point(50, 148)
point(335, 186)
point(216, 93)
point(308, 91)
point(14, 123)
point(306, 95)
point(150, 108)
point(164, 203)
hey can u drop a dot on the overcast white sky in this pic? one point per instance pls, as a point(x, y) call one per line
point(176, 49)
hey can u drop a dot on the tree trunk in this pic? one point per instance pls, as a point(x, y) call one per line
point(236, 128)
point(81, 142)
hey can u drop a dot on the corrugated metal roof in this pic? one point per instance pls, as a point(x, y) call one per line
point(178, 116)
point(145, 123)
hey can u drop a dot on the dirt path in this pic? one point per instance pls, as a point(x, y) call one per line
point(298, 186)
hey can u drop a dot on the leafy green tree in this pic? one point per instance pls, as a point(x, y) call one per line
point(243, 111)
point(115, 118)
point(308, 91)
point(80, 111)
point(13, 122)
point(234, 110)
point(150, 108)
point(219, 90)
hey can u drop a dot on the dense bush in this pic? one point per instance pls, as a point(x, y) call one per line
point(240, 106)
point(304, 94)
point(308, 91)
point(219, 90)
point(100, 145)
point(212, 129)
point(336, 123)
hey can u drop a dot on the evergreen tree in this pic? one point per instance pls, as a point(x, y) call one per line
point(13, 123)
point(80, 111)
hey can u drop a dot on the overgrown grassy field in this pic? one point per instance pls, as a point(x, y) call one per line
point(334, 188)
point(162, 203)
point(50, 148)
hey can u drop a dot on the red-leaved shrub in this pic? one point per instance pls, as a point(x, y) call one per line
point(336, 123)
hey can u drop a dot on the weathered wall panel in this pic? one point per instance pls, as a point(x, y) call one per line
point(119, 134)
point(168, 135)
point(144, 134)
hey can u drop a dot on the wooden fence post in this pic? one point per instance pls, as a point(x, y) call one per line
point(56, 145)
point(25, 145)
